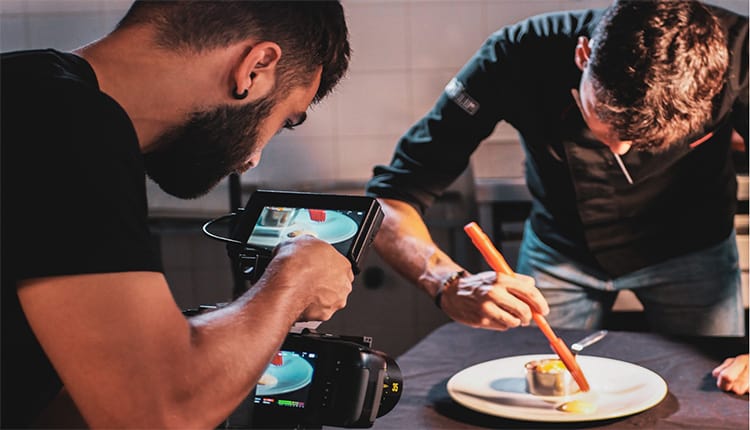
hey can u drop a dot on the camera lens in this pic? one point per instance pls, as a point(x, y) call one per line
point(393, 385)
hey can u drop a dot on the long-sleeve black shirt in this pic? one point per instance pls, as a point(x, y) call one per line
point(681, 200)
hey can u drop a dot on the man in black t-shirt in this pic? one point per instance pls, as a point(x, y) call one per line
point(628, 117)
point(186, 92)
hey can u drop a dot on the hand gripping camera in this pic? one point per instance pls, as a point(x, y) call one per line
point(315, 379)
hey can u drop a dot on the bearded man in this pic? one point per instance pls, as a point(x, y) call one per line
point(186, 92)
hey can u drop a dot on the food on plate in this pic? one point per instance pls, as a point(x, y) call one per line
point(577, 407)
point(549, 377)
point(274, 216)
point(268, 380)
point(295, 233)
point(278, 359)
point(317, 215)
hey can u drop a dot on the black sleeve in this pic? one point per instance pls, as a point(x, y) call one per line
point(512, 77)
point(437, 149)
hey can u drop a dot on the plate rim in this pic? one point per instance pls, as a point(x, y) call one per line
point(459, 397)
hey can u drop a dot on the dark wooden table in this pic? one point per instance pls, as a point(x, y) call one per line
point(693, 400)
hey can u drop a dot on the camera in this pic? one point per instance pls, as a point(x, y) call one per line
point(316, 378)
point(323, 379)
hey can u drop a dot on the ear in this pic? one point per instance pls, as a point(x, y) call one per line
point(582, 53)
point(256, 71)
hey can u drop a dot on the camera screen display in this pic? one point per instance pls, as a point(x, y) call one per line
point(339, 227)
point(348, 223)
point(287, 381)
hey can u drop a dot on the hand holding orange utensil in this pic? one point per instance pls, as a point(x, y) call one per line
point(498, 264)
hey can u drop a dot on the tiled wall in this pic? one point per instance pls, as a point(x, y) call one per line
point(404, 53)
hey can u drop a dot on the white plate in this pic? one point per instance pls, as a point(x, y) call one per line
point(498, 387)
point(293, 374)
point(336, 228)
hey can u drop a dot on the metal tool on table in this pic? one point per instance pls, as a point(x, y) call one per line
point(498, 264)
point(589, 340)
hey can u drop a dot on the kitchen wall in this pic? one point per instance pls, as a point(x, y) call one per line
point(405, 51)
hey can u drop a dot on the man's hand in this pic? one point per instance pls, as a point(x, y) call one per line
point(493, 301)
point(732, 375)
point(321, 276)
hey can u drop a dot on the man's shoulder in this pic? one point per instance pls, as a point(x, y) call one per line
point(45, 64)
point(49, 75)
point(57, 89)
point(551, 25)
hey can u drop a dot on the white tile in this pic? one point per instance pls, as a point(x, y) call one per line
point(377, 35)
point(65, 31)
point(738, 6)
point(292, 161)
point(373, 104)
point(584, 4)
point(427, 86)
point(321, 119)
point(504, 132)
point(13, 35)
point(13, 7)
point(507, 12)
point(349, 3)
point(743, 248)
point(741, 221)
point(444, 34)
point(116, 5)
point(357, 156)
point(627, 301)
point(498, 160)
point(66, 6)
point(111, 16)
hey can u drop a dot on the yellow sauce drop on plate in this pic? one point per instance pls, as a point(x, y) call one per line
point(577, 407)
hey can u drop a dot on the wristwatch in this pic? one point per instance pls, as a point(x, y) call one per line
point(450, 281)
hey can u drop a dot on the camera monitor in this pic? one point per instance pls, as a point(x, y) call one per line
point(348, 223)
point(287, 381)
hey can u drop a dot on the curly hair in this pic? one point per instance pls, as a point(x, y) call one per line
point(655, 67)
point(310, 33)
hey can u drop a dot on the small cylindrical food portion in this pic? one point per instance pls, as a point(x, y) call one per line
point(549, 377)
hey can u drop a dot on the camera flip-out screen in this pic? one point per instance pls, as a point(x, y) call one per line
point(287, 380)
point(321, 379)
point(348, 223)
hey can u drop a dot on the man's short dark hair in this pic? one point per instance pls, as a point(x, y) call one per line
point(655, 67)
point(310, 33)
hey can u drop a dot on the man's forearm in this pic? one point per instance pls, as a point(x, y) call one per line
point(404, 242)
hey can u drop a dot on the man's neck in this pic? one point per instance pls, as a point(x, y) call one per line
point(157, 88)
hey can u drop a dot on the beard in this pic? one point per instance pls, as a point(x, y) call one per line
point(194, 157)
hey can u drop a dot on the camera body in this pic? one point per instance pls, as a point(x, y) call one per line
point(316, 379)
point(342, 382)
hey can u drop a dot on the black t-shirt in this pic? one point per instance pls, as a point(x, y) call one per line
point(583, 206)
point(73, 202)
